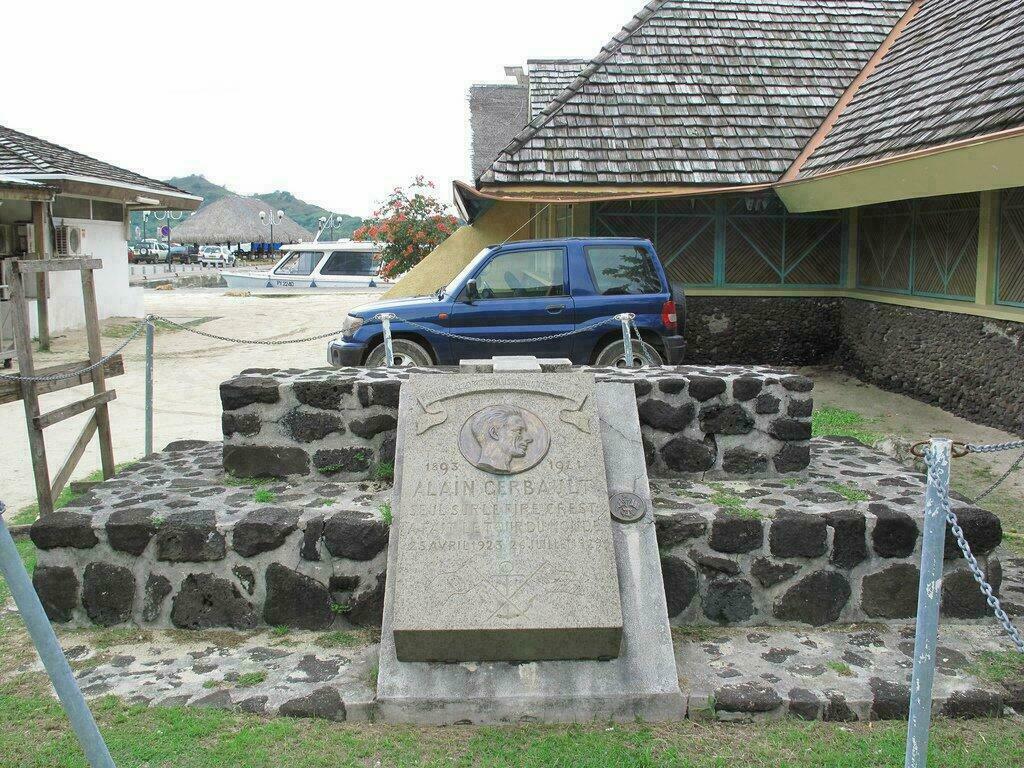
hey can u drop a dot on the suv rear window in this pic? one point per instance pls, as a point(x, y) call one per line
point(620, 270)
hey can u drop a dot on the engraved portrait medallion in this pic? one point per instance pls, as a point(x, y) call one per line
point(504, 439)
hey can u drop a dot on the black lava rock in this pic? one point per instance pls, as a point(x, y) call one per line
point(373, 425)
point(264, 529)
point(962, 597)
point(734, 534)
point(331, 461)
point(672, 386)
point(849, 538)
point(705, 387)
point(768, 574)
point(322, 394)
point(895, 533)
point(800, 409)
point(743, 461)
point(890, 701)
point(130, 530)
point(747, 697)
point(63, 528)
point(892, 593)
point(190, 536)
point(676, 528)
point(973, 703)
point(790, 429)
point(729, 600)
point(296, 600)
point(265, 460)
point(983, 530)
point(816, 599)
point(680, 584)
point(205, 601)
point(246, 577)
point(309, 426)
point(246, 390)
point(387, 448)
point(731, 419)
point(792, 457)
point(57, 588)
point(795, 534)
point(804, 704)
point(157, 589)
point(247, 424)
point(685, 455)
point(767, 404)
point(837, 710)
point(311, 539)
point(744, 388)
point(797, 383)
point(712, 566)
point(355, 535)
point(108, 592)
point(322, 704)
point(379, 393)
point(367, 607)
point(642, 388)
point(659, 415)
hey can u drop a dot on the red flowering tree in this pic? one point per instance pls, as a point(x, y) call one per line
point(410, 224)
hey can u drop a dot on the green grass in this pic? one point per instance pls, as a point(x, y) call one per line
point(841, 668)
point(263, 496)
point(250, 679)
point(34, 734)
point(384, 471)
point(29, 514)
point(280, 631)
point(385, 512)
point(1000, 666)
point(731, 504)
point(107, 638)
point(27, 551)
point(838, 422)
point(339, 639)
point(848, 492)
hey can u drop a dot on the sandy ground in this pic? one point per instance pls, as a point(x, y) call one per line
point(187, 372)
point(189, 369)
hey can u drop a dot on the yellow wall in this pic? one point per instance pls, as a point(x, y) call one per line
point(446, 261)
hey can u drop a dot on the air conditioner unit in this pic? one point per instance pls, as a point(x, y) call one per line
point(69, 241)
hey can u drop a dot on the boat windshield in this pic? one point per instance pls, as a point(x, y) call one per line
point(351, 263)
point(299, 263)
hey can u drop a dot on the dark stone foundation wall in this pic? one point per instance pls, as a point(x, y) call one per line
point(970, 366)
point(340, 424)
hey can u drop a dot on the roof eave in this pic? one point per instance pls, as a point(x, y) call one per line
point(128, 193)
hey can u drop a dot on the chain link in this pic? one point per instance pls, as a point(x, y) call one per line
point(232, 340)
point(972, 561)
point(993, 447)
point(75, 374)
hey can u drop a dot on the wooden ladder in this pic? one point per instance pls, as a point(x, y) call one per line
point(47, 491)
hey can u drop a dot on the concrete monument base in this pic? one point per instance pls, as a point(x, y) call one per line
point(641, 683)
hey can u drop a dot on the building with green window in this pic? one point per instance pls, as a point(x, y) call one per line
point(831, 182)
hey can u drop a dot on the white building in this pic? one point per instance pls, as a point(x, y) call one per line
point(83, 211)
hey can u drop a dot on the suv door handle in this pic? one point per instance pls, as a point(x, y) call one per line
point(554, 309)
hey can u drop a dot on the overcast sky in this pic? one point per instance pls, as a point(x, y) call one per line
point(336, 102)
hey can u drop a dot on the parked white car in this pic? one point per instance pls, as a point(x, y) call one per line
point(216, 256)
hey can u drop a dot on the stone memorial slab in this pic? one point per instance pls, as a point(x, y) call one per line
point(502, 536)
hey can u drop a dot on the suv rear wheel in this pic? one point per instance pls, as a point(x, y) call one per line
point(407, 353)
point(614, 355)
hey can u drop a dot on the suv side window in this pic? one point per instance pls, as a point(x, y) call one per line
point(523, 274)
point(621, 270)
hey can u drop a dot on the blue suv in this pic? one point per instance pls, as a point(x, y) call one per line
point(524, 290)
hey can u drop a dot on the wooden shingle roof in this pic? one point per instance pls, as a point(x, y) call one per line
point(548, 78)
point(30, 157)
point(955, 72)
point(700, 92)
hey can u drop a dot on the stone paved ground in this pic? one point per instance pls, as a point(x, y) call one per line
point(857, 672)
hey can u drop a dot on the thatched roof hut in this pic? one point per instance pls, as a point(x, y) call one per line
point(236, 219)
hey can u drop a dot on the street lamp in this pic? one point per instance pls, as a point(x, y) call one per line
point(264, 218)
point(162, 216)
point(325, 222)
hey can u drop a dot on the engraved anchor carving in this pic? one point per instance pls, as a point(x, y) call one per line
point(513, 593)
point(429, 418)
point(576, 416)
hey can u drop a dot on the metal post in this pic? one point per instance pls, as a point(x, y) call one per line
point(929, 595)
point(50, 652)
point(389, 351)
point(149, 387)
point(627, 340)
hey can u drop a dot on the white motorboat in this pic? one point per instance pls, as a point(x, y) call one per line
point(336, 264)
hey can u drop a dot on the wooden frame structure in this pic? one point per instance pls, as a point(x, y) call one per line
point(48, 490)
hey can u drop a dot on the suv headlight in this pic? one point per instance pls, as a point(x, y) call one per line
point(351, 325)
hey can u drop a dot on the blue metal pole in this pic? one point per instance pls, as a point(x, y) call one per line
point(929, 596)
point(50, 652)
point(389, 351)
point(627, 340)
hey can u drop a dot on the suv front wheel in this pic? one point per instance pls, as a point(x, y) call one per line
point(407, 353)
point(614, 355)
